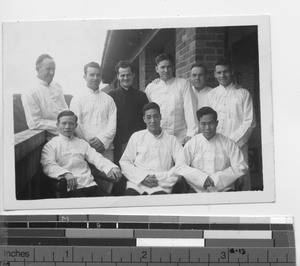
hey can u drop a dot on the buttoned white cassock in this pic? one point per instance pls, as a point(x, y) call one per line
point(96, 113)
point(177, 104)
point(63, 155)
point(220, 158)
point(42, 103)
point(146, 154)
point(236, 117)
point(235, 112)
point(202, 96)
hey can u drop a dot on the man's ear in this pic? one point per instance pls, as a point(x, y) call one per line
point(84, 76)
point(217, 122)
point(76, 125)
point(57, 124)
point(156, 69)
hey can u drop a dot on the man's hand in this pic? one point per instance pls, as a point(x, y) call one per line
point(208, 183)
point(150, 181)
point(115, 173)
point(96, 144)
point(71, 181)
point(185, 140)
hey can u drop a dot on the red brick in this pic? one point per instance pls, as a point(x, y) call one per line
point(199, 57)
point(215, 29)
point(201, 30)
point(206, 36)
point(211, 57)
point(215, 44)
point(220, 37)
point(220, 52)
point(205, 51)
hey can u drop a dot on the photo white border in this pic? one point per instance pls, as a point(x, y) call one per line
point(267, 138)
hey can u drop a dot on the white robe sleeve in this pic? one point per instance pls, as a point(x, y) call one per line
point(147, 91)
point(169, 178)
point(190, 108)
point(49, 162)
point(101, 163)
point(223, 179)
point(34, 115)
point(243, 133)
point(75, 107)
point(183, 166)
point(133, 173)
point(107, 136)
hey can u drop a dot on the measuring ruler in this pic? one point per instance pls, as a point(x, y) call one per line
point(114, 240)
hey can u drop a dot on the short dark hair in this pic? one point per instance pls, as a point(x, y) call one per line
point(41, 58)
point(151, 105)
point(66, 113)
point(163, 57)
point(223, 62)
point(206, 111)
point(197, 64)
point(91, 64)
point(124, 64)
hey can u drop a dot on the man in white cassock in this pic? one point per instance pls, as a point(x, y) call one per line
point(66, 156)
point(149, 158)
point(44, 99)
point(176, 100)
point(198, 78)
point(210, 162)
point(96, 112)
point(235, 111)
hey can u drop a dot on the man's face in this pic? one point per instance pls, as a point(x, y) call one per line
point(125, 77)
point(198, 77)
point(46, 70)
point(208, 126)
point(152, 119)
point(67, 125)
point(93, 78)
point(223, 74)
point(165, 70)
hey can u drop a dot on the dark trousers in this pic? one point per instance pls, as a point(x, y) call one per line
point(94, 191)
point(133, 192)
point(119, 188)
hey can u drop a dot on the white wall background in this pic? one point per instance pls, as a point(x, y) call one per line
point(285, 22)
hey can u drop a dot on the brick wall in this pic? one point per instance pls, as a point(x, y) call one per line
point(203, 45)
point(147, 71)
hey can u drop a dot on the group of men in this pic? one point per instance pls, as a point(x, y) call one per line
point(144, 141)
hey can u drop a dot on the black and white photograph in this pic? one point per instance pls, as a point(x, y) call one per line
point(137, 112)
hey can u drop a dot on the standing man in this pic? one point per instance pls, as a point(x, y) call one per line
point(176, 100)
point(235, 111)
point(149, 158)
point(198, 79)
point(96, 113)
point(44, 100)
point(129, 102)
point(210, 162)
point(66, 156)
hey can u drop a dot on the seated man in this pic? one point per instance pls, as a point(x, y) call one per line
point(66, 156)
point(210, 161)
point(149, 158)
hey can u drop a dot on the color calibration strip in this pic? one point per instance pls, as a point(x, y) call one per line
point(113, 240)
